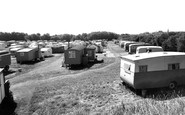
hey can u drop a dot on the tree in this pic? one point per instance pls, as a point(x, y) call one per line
point(102, 36)
point(46, 37)
point(170, 44)
point(181, 43)
point(160, 39)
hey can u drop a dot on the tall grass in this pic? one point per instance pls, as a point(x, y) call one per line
point(165, 102)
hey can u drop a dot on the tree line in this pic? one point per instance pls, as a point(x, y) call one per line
point(170, 41)
point(17, 36)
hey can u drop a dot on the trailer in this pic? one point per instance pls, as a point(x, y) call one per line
point(122, 43)
point(57, 49)
point(144, 49)
point(91, 53)
point(125, 44)
point(29, 54)
point(46, 52)
point(5, 60)
point(153, 70)
point(75, 56)
point(128, 44)
point(99, 48)
point(133, 47)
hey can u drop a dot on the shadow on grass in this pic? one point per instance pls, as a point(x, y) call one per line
point(49, 56)
point(166, 93)
point(89, 65)
point(57, 52)
point(8, 72)
point(30, 62)
point(161, 94)
point(8, 105)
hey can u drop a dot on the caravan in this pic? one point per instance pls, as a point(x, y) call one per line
point(153, 70)
point(133, 47)
point(46, 52)
point(144, 49)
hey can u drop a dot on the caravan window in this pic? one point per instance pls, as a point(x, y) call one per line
point(143, 68)
point(89, 53)
point(127, 68)
point(173, 66)
point(72, 54)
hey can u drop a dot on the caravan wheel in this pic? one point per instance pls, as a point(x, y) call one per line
point(138, 91)
point(172, 85)
point(141, 92)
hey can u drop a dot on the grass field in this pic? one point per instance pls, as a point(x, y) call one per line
point(47, 89)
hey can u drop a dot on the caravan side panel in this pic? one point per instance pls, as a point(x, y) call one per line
point(73, 57)
point(158, 73)
point(156, 79)
point(5, 60)
point(153, 64)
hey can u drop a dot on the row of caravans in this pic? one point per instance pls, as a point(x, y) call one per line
point(138, 47)
point(151, 67)
point(56, 47)
point(79, 55)
point(98, 47)
point(48, 46)
point(153, 70)
point(96, 44)
point(32, 51)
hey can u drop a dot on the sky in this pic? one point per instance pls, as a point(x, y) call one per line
point(85, 16)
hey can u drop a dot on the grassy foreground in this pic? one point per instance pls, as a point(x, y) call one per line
point(95, 91)
point(86, 93)
point(101, 92)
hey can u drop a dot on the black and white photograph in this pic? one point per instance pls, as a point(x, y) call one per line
point(92, 57)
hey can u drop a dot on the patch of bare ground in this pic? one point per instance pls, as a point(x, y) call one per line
point(30, 66)
point(54, 69)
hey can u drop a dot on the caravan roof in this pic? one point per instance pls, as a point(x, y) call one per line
point(142, 56)
point(25, 50)
point(15, 49)
point(78, 47)
point(149, 47)
point(45, 49)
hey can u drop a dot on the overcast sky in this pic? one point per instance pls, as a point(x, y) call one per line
point(85, 16)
